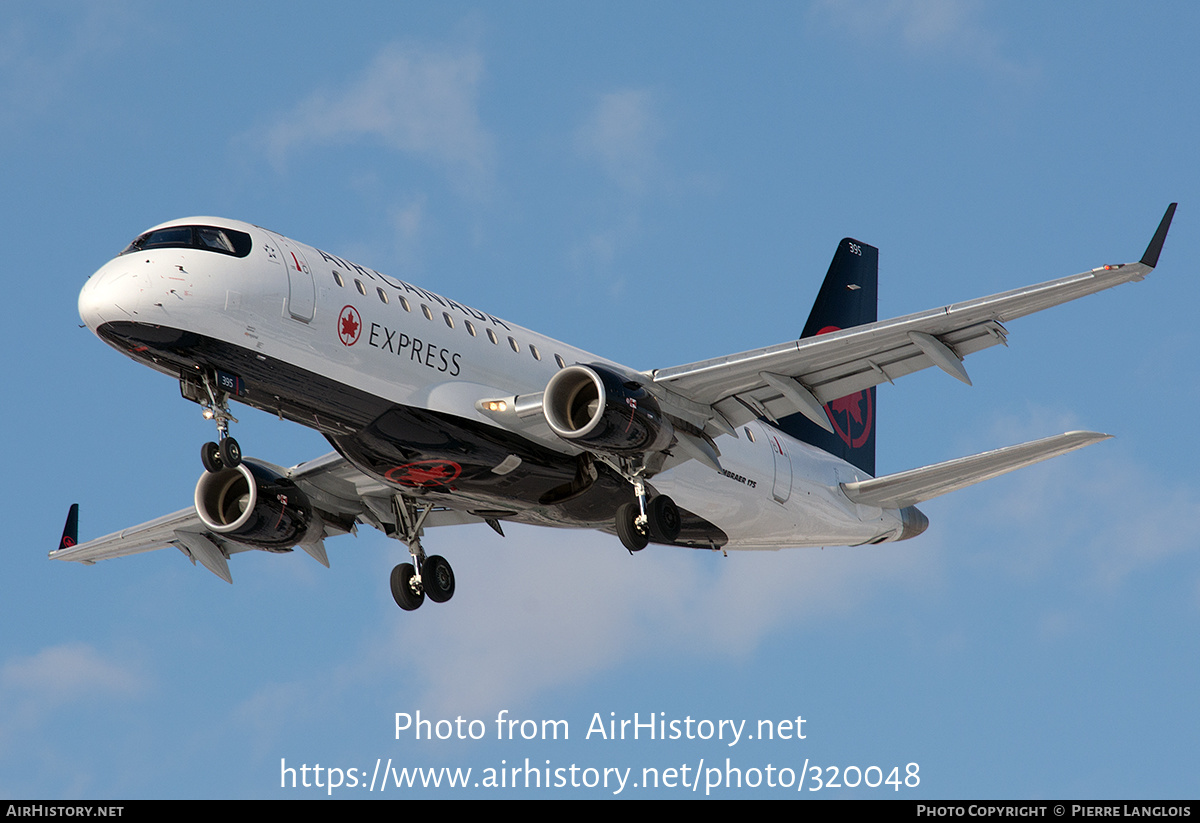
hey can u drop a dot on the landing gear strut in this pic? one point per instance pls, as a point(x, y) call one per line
point(432, 575)
point(642, 520)
point(225, 453)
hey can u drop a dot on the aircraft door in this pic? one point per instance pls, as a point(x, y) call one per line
point(302, 292)
point(782, 488)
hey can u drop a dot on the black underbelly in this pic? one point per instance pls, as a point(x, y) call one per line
point(453, 461)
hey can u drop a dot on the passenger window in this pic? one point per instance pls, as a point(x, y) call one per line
point(337, 278)
point(425, 311)
point(515, 345)
point(533, 350)
point(382, 294)
point(492, 336)
point(560, 362)
point(449, 320)
point(361, 288)
point(404, 303)
point(470, 328)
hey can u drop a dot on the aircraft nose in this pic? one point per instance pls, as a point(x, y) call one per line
point(112, 293)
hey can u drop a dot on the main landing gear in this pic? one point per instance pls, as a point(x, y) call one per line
point(640, 521)
point(225, 453)
point(425, 576)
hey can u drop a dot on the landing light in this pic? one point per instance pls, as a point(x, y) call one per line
point(496, 406)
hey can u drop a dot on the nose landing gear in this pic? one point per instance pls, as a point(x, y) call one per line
point(225, 453)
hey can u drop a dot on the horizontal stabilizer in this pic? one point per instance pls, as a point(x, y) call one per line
point(895, 491)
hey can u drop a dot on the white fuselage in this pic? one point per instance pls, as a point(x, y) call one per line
point(292, 304)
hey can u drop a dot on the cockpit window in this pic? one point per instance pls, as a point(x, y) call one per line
point(209, 238)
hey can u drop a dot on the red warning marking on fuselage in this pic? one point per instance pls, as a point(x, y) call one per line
point(425, 473)
point(852, 416)
point(297, 262)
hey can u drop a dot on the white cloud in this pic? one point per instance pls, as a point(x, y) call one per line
point(45, 53)
point(31, 688)
point(1100, 516)
point(418, 101)
point(622, 132)
point(547, 608)
point(929, 27)
point(68, 672)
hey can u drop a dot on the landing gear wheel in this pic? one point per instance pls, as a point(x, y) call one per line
point(231, 452)
point(210, 456)
point(664, 519)
point(631, 536)
point(437, 578)
point(408, 596)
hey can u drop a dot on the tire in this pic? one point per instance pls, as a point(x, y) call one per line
point(231, 452)
point(437, 579)
point(664, 518)
point(631, 536)
point(210, 456)
point(402, 589)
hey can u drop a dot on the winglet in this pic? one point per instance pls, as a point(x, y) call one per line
point(70, 535)
point(1150, 258)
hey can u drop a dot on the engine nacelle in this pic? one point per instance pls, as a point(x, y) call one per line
point(596, 407)
point(254, 505)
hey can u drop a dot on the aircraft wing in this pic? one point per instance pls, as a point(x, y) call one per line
point(803, 375)
point(895, 491)
point(341, 495)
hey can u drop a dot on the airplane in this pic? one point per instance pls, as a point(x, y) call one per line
point(442, 414)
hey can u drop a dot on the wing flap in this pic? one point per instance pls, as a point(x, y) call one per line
point(895, 491)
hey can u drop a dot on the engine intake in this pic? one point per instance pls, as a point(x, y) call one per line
point(595, 406)
point(254, 505)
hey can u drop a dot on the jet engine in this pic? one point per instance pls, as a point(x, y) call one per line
point(598, 408)
point(254, 505)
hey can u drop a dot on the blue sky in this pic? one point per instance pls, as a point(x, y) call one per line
point(658, 184)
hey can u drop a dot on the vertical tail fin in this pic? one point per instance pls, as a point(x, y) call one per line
point(70, 535)
point(848, 297)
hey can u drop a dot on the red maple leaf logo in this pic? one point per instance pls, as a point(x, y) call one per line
point(850, 404)
point(856, 411)
point(425, 473)
point(858, 420)
point(349, 326)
